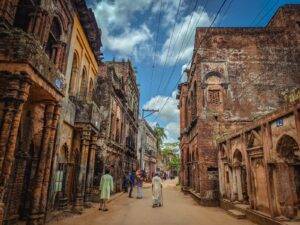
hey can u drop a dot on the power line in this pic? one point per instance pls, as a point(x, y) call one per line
point(155, 48)
point(189, 23)
point(179, 56)
point(217, 14)
point(260, 12)
point(272, 7)
point(169, 47)
point(226, 10)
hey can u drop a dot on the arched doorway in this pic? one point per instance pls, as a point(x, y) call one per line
point(289, 176)
point(239, 178)
point(61, 199)
point(74, 74)
point(83, 84)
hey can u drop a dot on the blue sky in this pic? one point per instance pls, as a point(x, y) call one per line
point(142, 31)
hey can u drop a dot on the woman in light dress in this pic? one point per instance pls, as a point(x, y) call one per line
point(157, 191)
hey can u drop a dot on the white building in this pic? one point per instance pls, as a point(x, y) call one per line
point(147, 148)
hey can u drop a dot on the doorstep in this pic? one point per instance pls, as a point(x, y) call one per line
point(253, 215)
point(201, 201)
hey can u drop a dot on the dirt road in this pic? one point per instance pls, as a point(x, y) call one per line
point(178, 209)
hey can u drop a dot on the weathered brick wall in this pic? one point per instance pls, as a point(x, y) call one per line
point(253, 69)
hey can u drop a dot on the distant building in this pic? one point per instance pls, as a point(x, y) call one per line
point(147, 148)
point(238, 75)
point(119, 100)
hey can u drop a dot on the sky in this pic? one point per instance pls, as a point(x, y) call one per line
point(158, 37)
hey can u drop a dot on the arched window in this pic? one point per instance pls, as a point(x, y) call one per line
point(91, 88)
point(22, 18)
point(237, 157)
point(53, 39)
point(214, 91)
point(74, 73)
point(83, 85)
point(288, 148)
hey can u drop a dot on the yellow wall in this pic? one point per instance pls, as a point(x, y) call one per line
point(80, 46)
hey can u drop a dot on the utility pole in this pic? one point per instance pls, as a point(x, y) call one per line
point(143, 134)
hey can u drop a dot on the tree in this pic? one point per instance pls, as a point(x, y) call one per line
point(160, 136)
point(170, 154)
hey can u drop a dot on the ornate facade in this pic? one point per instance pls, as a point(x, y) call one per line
point(147, 148)
point(259, 165)
point(79, 125)
point(37, 48)
point(119, 99)
point(237, 75)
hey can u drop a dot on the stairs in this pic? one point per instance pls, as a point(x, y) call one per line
point(236, 214)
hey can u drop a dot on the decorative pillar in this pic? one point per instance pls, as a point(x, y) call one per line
point(18, 86)
point(36, 216)
point(85, 143)
point(8, 9)
point(45, 186)
point(91, 166)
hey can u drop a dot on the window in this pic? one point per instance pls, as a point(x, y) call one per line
point(59, 177)
point(214, 96)
point(54, 37)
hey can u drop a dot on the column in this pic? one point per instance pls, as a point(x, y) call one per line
point(91, 166)
point(50, 156)
point(18, 86)
point(35, 211)
point(85, 143)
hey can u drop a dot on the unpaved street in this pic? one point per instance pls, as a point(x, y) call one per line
point(178, 209)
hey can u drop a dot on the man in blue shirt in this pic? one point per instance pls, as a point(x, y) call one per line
point(131, 182)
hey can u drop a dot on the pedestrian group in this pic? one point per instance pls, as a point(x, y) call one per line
point(132, 179)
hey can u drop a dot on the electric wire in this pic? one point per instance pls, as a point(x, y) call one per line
point(217, 14)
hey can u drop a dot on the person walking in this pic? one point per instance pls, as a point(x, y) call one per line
point(125, 183)
point(106, 187)
point(157, 191)
point(139, 184)
point(131, 182)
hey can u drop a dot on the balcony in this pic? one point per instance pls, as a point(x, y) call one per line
point(88, 113)
point(16, 46)
point(130, 144)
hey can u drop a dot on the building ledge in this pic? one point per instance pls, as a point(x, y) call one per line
point(253, 215)
point(201, 201)
point(16, 46)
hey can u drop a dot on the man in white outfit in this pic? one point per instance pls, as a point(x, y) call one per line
point(157, 190)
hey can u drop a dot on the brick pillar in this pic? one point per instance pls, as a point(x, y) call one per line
point(36, 216)
point(91, 166)
point(8, 10)
point(85, 144)
point(18, 87)
point(45, 186)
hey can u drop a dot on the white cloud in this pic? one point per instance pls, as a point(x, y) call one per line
point(118, 13)
point(115, 19)
point(129, 42)
point(169, 112)
point(172, 132)
point(184, 76)
point(182, 44)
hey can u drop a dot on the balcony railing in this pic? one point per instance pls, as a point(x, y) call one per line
point(88, 113)
point(16, 46)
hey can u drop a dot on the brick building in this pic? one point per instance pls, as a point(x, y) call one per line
point(33, 53)
point(48, 118)
point(259, 166)
point(237, 75)
point(119, 100)
point(79, 124)
point(147, 149)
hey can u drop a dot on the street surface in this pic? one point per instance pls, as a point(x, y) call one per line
point(178, 209)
